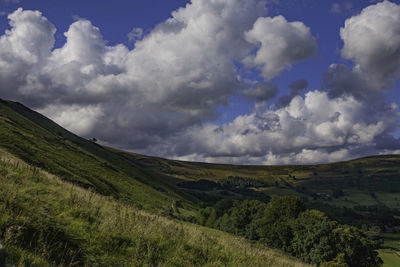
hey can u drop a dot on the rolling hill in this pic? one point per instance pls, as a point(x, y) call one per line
point(362, 192)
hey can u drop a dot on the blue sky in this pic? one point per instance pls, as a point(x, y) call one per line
point(115, 19)
point(239, 90)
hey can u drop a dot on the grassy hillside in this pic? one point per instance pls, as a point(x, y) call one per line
point(42, 143)
point(45, 222)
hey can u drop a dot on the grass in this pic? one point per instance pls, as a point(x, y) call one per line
point(390, 253)
point(45, 221)
point(389, 257)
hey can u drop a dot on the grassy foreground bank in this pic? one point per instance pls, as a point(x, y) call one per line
point(47, 222)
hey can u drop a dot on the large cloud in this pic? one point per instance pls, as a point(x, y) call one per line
point(161, 97)
point(282, 44)
point(175, 77)
point(23, 49)
point(300, 132)
point(372, 39)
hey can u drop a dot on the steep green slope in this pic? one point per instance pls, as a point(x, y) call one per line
point(47, 222)
point(42, 143)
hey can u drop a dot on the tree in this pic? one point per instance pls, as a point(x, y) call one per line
point(284, 207)
point(285, 223)
point(211, 219)
point(241, 215)
point(274, 227)
point(358, 249)
point(313, 240)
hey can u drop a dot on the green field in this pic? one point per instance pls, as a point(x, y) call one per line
point(389, 257)
point(390, 253)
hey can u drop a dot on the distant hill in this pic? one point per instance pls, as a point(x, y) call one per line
point(378, 173)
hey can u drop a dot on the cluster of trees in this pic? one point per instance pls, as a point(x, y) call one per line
point(241, 182)
point(208, 191)
point(225, 183)
point(285, 223)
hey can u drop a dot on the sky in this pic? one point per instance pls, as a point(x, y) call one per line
point(223, 81)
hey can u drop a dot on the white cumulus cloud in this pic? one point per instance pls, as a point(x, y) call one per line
point(372, 40)
point(282, 44)
point(310, 129)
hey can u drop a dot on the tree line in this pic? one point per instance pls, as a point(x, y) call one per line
point(285, 223)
